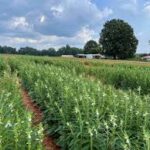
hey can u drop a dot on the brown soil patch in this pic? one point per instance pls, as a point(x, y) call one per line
point(86, 63)
point(48, 142)
point(31, 106)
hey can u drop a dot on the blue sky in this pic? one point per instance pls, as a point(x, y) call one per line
point(54, 23)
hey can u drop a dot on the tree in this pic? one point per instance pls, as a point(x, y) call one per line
point(91, 47)
point(67, 50)
point(28, 51)
point(7, 50)
point(118, 39)
point(49, 52)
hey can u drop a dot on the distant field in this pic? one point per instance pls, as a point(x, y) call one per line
point(86, 104)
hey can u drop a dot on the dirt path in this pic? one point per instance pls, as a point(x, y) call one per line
point(48, 142)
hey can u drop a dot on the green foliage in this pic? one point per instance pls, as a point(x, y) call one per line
point(118, 39)
point(3, 66)
point(80, 112)
point(123, 76)
point(49, 52)
point(67, 50)
point(7, 50)
point(28, 51)
point(16, 132)
point(91, 47)
point(85, 114)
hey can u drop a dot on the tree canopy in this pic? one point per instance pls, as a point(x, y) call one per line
point(67, 50)
point(91, 47)
point(28, 51)
point(118, 39)
point(7, 50)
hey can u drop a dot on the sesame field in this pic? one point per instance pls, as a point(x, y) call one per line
point(73, 104)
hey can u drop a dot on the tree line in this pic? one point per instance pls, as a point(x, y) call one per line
point(65, 50)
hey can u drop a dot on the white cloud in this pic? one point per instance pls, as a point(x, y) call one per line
point(51, 17)
point(107, 12)
point(42, 19)
point(84, 34)
point(19, 22)
point(17, 41)
point(24, 40)
point(69, 16)
point(140, 34)
point(57, 10)
point(46, 41)
point(147, 8)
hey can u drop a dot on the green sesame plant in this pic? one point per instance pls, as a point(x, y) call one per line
point(83, 114)
point(16, 132)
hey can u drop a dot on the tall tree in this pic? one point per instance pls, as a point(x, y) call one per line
point(118, 39)
point(68, 50)
point(28, 51)
point(7, 50)
point(91, 47)
point(49, 52)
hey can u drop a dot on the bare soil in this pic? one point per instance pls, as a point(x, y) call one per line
point(48, 141)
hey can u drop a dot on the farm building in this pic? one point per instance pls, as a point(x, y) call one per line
point(67, 56)
point(90, 56)
point(146, 58)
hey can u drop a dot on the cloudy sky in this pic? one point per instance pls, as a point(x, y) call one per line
point(53, 23)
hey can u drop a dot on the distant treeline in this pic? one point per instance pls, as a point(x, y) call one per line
point(66, 50)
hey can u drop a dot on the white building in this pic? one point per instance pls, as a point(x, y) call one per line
point(146, 58)
point(90, 56)
point(67, 56)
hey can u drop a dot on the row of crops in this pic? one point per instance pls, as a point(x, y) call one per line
point(83, 114)
point(16, 132)
point(124, 75)
point(127, 76)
